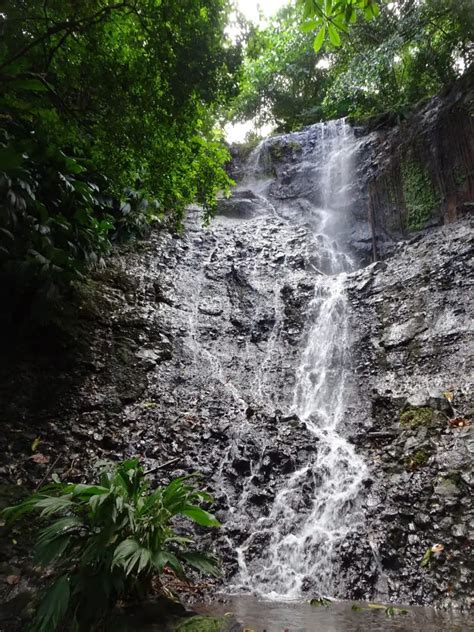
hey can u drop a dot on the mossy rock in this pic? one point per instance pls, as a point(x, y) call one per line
point(420, 197)
point(207, 624)
point(416, 417)
point(277, 150)
point(422, 416)
point(418, 459)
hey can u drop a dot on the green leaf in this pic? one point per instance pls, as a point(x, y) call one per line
point(175, 564)
point(58, 528)
point(89, 490)
point(200, 516)
point(124, 550)
point(201, 562)
point(54, 504)
point(334, 35)
point(426, 558)
point(48, 551)
point(72, 165)
point(319, 39)
point(53, 607)
point(31, 85)
point(159, 560)
point(307, 27)
point(12, 238)
point(375, 9)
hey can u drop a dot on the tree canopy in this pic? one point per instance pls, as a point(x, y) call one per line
point(108, 112)
point(108, 108)
point(409, 52)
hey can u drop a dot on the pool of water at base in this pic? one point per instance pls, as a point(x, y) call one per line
point(258, 615)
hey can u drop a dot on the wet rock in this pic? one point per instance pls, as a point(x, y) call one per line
point(411, 370)
point(446, 487)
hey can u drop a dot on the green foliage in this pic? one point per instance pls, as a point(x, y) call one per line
point(425, 560)
point(410, 52)
point(280, 81)
point(106, 541)
point(418, 193)
point(332, 18)
point(96, 96)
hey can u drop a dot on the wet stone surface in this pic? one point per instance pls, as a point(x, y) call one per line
point(186, 350)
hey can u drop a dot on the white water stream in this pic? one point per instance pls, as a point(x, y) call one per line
point(303, 528)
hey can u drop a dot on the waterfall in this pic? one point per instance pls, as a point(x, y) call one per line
point(317, 506)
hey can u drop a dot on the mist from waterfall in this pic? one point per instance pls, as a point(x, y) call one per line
point(317, 506)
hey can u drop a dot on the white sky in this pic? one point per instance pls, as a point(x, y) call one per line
point(250, 7)
point(235, 132)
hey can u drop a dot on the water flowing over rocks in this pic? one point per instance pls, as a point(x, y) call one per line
point(319, 400)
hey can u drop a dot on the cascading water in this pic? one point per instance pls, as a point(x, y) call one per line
point(317, 507)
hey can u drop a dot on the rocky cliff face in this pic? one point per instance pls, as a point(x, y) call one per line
point(186, 352)
point(420, 170)
point(414, 347)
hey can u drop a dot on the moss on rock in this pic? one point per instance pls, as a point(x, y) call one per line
point(419, 194)
point(416, 417)
point(205, 624)
point(418, 459)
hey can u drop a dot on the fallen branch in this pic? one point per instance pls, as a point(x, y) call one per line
point(160, 467)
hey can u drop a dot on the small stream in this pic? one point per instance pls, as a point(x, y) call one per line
point(340, 616)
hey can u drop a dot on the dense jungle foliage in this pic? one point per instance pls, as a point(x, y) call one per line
point(397, 54)
point(107, 123)
point(108, 108)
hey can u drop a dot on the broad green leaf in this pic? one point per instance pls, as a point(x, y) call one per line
point(334, 35)
point(200, 516)
point(58, 528)
point(204, 563)
point(159, 560)
point(89, 490)
point(309, 26)
point(319, 39)
point(375, 9)
point(53, 505)
point(10, 236)
point(124, 550)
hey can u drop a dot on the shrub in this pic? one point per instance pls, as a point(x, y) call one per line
point(107, 541)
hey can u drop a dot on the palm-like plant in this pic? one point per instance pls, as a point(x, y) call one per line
point(107, 541)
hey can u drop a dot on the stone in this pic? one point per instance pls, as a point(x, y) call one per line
point(446, 487)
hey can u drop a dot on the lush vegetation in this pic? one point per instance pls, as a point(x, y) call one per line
point(108, 108)
point(332, 19)
point(408, 53)
point(108, 541)
point(107, 123)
